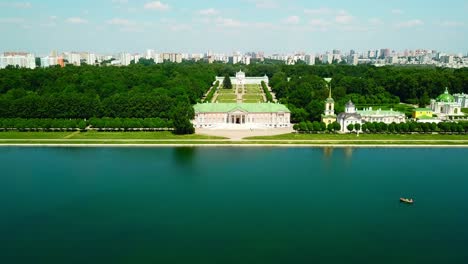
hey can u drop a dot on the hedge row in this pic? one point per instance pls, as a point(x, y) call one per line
point(130, 123)
point(46, 123)
point(210, 95)
point(268, 95)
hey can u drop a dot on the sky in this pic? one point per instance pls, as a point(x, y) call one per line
point(272, 26)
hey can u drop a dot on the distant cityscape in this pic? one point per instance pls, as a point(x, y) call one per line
point(377, 57)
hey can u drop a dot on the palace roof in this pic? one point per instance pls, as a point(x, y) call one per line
point(246, 107)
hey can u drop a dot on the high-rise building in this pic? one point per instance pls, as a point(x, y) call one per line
point(18, 59)
point(353, 59)
point(384, 53)
point(91, 59)
point(310, 59)
point(327, 58)
point(125, 58)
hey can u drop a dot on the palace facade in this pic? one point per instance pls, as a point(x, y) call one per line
point(241, 115)
point(368, 115)
point(240, 79)
point(445, 105)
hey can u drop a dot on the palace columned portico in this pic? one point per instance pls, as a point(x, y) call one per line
point(237, 119)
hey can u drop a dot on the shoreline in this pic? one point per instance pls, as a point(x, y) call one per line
point(164, 145)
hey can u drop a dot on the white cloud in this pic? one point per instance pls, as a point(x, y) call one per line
point(263, 25)
point(180, 27)
point(228, 22)
point(16, 4)
point(12, 20)
point(452, 24)
point(120, 22)
point(375, 21)
point(265, 4)
point(208, 12)
point(397, 11)
point(318, 11)
point(351, 28)
point(292, 20)
point(156, 5)
point(50, 22)
point(319, 25)
point(132, 29)
point(410, 23)
point(76, 20)
point(343, 17)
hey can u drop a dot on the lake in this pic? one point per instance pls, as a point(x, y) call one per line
point(233, 205)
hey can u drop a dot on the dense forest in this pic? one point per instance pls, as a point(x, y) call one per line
point(168, 90)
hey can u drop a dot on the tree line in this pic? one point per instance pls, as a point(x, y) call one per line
point(210, 95)
point(167, 91)
point(100, 123)
point(380, 127)
point(268, 95)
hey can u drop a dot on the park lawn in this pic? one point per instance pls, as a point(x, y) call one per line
point(225, 91)
point(227, 96)
point(192, 142)
point(351, 137)
point(227, 100)
point(34, 135)
point(252, 97)
point(250, 101)
point(100, 135)
point(253, 89)
point(138, 135)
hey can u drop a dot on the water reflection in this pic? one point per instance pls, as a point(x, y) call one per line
point(348, 151)
point(184, 155)
point(327, 152)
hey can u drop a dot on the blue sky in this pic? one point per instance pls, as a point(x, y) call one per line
point(108, 26)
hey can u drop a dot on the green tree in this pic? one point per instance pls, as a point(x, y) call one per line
point(357, 127)
point(350, 127)
point(182, 116)
point(227, 82)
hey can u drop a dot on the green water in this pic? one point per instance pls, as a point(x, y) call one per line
point(233, 205)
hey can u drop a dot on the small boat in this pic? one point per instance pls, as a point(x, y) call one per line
point(406, 200)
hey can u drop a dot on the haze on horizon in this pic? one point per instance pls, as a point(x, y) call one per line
point(108, 26)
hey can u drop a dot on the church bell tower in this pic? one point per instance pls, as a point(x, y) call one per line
point(329, 115)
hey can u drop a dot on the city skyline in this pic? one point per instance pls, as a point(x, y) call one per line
point(273, 26)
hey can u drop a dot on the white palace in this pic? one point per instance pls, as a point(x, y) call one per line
point(241, 115)
point(240, 79)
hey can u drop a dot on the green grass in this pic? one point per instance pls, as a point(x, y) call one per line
point(101, 135)
point(350, 137)
point(226, 91)
point(252, 97)
point(34, 135)
point(227, 143)
point(227, 96)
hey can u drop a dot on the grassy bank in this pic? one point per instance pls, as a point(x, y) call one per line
point(382, 143)
point(167, 138)
point(351, 137)
point(100, 135)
